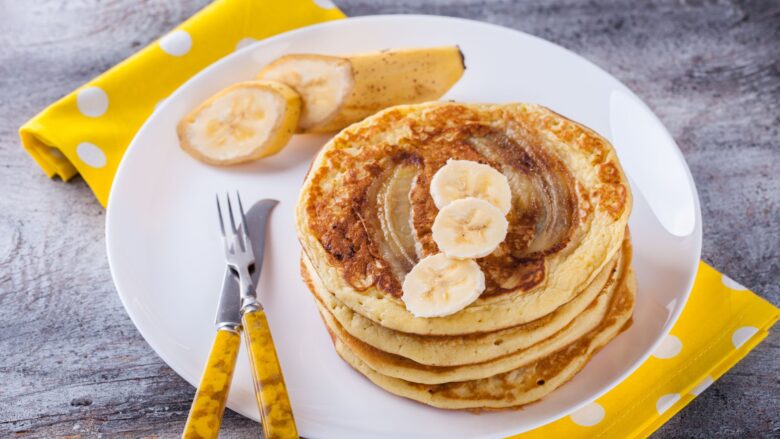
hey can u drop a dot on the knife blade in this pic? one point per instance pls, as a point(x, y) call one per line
point(229, 308)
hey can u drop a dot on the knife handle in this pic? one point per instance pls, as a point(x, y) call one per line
point(209, 404)
point(272, 400)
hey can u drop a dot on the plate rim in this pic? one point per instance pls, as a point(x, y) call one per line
point(696, 234)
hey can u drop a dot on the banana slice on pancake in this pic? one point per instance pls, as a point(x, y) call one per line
point(340, 90)
point(438, 286)
point(243, 122)
point(465, 178)
point(469, 228)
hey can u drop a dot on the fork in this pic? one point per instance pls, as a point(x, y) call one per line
point(270, 390)
point(238, 253)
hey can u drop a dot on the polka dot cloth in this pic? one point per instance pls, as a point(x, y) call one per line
point(589, 415)
point(742, 335)
point(697, 351)
point(702, 386)
point(91, 155)
point(732, 284)
point(88, 131)
point(176, 43)
point(244, 42)
point(669, 348)
point(92, 101)
point(326, 4)
point(665, 402)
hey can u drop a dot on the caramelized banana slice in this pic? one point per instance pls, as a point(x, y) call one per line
point(243, 122)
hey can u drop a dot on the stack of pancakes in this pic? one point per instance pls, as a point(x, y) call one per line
point(558, 288)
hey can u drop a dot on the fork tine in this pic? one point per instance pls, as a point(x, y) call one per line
point(238, 235)
point(230, 211)
point(240, 208)
point(219, 213)
point(244, 232)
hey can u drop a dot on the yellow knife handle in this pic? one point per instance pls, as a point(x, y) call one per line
point(209, 404)
point(272, 400)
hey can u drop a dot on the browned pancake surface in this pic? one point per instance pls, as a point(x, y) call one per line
point(547, 201)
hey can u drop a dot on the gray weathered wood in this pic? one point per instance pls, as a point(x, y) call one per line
point(72, 362)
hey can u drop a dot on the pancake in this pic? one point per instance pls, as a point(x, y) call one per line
point(570, 207)
point(401, 367)
point(518, 387)
point(458, 350)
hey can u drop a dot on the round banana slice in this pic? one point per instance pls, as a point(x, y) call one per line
point(469, 228)
point(463, 178)
point(439, 286)
point(243, 122)
point(324, 83)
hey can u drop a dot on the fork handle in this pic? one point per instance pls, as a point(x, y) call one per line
point(272, 400)
point(209, 404)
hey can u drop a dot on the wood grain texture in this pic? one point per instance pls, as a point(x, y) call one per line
point(73, 363)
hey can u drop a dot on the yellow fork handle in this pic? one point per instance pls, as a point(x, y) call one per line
point(209, 404)
point(272, 400)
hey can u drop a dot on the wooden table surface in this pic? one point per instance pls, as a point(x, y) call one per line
point(73, 363)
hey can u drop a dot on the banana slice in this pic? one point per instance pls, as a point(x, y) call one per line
point(340, 90)
point(439, 286)
point(463, 178)
point(469, 228)
point(324, 82)
point(243, 122)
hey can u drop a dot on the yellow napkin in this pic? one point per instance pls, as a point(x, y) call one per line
point(697, 351)
point(88, 131)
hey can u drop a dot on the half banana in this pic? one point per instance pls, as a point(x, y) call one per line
point(243, 122)
point(338, 91)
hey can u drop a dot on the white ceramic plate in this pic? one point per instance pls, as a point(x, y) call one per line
point(166, 257)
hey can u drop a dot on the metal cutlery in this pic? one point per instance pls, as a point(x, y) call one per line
point(240, 311)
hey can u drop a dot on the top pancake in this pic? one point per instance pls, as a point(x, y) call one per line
point(364, 215)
